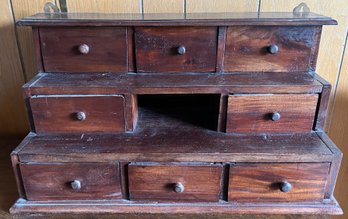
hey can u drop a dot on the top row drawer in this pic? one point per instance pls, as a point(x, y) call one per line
point(179, 49)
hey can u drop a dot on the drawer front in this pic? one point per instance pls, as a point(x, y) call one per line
point(291, 182)
point(288, 113)
point(174, 183)
point(71, 181)
point(271, 49)
point(80, 49)
point(176, 49)
point(78, 113)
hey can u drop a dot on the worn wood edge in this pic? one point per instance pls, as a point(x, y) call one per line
point(335, 164)
point(315, 49)
point(31, 88)
point(323, 104)
point(173, 157)
point(222, 113)
point(221, 46)
point(38, 53)
point(123, 206)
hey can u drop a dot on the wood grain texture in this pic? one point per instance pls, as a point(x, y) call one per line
point(8, 196)
point(252, 113)
point(107, 49)
point(23, 8)
point(260, 182)
point(163, 6)
point(333, 37)
point(194, 6)
point(52, 181)
point(104, 6)
point(58, 114)
point(156, 182)
point(12, 114)
point(53, 83)
point(155, 46)
point(246, 48)
point(146, 144)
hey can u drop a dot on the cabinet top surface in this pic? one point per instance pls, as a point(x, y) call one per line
point(189, 19)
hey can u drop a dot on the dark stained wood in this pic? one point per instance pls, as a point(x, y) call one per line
point(121, 206)
point(53, 83)
point(156, 49)
point(315, 49)
point(37, 43)
point(221, 49)
point(107, 49)
point(131, 111)
point(252, 113)
point(58, 113)
point(51, 181)
point(187, 19)
point(250, 183)
point(132, 123)
point(246, 48)
point(222, 112)
point(131, 49)
point(323, 105)
point(201, 183)
point(154, 136)
point(335, 164)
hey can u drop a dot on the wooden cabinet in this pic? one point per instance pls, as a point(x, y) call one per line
point(205, 113)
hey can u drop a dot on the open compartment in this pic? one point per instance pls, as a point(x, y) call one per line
point(179, 110)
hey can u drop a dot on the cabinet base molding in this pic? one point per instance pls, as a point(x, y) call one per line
point(81, 207)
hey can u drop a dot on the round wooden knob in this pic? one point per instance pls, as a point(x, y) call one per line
point(181, 50)
point(285, 187)
point(275, 116)
point(84, 49)
point(273, 49)
point(75, 185)
point(179, 188)
point(80, 116)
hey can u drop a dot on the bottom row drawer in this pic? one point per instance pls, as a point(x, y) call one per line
point(247, 182)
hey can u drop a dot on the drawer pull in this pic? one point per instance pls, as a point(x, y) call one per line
point(75, 185)
point(275, 116)
point(84, 49)
point(181, 50)
point(179, 188)
point(81, 116)
point(273, 49)
point(285, 186)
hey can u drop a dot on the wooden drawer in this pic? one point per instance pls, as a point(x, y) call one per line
point(288, 113)
point(78, 113)
point(174, 183)
point(287, 182)
point(79, 49)
point(71, 181)
point(250, 48)
point(175, 49)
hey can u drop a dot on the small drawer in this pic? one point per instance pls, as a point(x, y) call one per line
point(175, 49)
point(271, 49)
point(80, 49)
point(71, 181)
point(286, 182)
point(278, 113)
point(199, 183)
point(78, 113)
